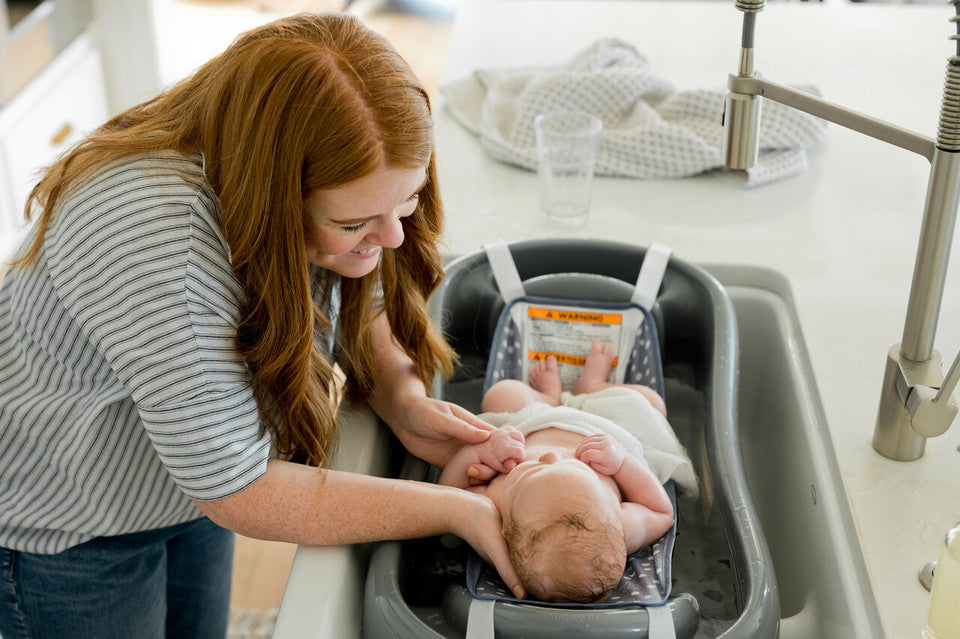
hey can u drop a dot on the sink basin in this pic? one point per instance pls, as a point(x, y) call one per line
point(791, 474)
point(792, 470)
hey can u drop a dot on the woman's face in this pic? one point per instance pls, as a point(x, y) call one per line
point(347, 227)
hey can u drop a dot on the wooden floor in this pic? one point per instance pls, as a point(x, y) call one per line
point(260, 567)
point(260, 570)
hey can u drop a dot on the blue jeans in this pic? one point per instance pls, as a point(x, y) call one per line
point(169, 582)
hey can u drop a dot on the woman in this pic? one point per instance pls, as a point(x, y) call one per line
point(197, 265)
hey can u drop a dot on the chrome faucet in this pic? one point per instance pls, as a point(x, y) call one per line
point(916, 401)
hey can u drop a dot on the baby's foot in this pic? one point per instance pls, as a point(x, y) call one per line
point(545, 377)
point(596, 368)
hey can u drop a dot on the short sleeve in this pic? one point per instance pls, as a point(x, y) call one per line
point(142, 268)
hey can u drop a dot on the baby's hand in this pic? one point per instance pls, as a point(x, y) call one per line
point(503, 450)
point(602, 453)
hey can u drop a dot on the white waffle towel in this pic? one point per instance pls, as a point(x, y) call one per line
point(650, 130)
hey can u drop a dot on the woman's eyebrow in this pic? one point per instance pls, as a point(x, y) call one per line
point(358, 220)
point(426, 178)
point(354, 221)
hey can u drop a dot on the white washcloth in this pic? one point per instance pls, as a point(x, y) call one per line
point(622, 413)
point(650, 130)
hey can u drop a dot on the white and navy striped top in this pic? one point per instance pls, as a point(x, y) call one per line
point(122, 395)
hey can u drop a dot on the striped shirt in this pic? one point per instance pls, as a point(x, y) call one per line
point(122, 394)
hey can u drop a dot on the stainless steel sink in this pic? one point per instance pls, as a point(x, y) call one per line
point(791, 468)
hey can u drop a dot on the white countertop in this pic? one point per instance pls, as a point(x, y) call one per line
point(844, 232)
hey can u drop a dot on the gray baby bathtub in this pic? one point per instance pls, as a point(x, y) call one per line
point(723, 582)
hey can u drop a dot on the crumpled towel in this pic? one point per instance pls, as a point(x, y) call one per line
point(650, 130)
point(621, 413)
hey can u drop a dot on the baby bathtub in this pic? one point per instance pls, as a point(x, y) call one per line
point(723, 579)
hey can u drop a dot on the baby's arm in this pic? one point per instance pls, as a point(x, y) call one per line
point(646, 511)
point(455, 472)
point(479, 463)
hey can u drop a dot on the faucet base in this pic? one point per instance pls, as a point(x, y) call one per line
point(894, 436)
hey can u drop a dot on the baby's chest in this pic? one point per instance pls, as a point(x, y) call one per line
point(553, 439)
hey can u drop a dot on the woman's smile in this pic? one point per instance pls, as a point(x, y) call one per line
point(366, 253)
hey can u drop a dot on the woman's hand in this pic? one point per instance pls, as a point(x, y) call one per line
point(431, 429)
point(434, 430)
point(481, 527)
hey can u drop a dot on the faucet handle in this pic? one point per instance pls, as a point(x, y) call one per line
point(932, 410)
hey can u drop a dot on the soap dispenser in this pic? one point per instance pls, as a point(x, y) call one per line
point(943, 618)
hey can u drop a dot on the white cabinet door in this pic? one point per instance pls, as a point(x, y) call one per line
point(56, 109)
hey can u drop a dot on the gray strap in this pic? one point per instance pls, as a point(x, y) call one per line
point(504, 270)
point(651, 275)
point(661, 623)
point(480, 619)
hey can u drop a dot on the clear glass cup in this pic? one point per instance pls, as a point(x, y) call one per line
point(567, 144)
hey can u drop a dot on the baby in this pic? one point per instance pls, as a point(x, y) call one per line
point(573, 504)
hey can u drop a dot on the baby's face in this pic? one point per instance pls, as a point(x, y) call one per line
point(536, 489)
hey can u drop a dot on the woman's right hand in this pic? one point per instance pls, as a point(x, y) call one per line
point(479, 524)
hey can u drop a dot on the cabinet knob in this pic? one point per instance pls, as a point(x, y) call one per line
point(62, 133)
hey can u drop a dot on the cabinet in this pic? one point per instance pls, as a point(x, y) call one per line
point(64, 102)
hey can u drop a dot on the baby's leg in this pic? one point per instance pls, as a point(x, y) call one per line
point(545, 378)
point(510, 395)
point(597, 368)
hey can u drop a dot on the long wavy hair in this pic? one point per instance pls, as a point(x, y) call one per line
point(312, 101)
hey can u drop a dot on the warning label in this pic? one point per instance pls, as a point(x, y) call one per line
point(561, 315)
point(562, 358)
point(566, 333)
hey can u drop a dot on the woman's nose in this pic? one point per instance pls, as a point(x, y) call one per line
point(388, 233)
point(549, 458)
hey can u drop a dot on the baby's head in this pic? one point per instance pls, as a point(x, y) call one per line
point(563, 530)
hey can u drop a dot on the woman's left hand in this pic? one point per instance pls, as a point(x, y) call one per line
point(431, 429)
point(434, 430)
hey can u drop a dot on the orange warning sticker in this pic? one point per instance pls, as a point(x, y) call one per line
point(561, 315)
point(562, 358)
